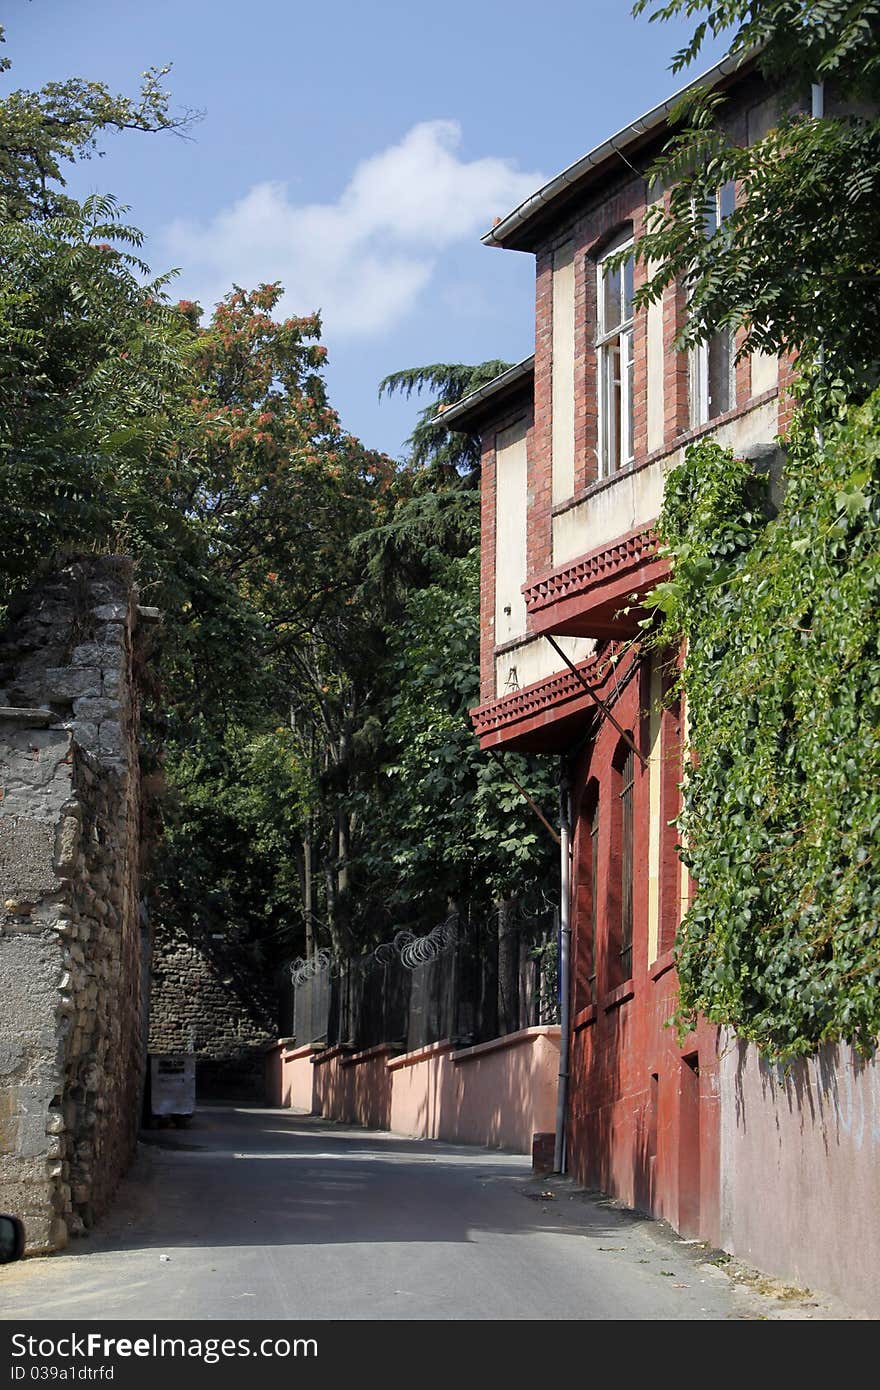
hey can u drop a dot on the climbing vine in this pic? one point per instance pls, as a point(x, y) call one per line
point(776, 597)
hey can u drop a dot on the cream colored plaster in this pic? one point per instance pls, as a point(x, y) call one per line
point(636, 497)
point(510, 532)
point(563, 373)
point(765, 372)
point(534, 660)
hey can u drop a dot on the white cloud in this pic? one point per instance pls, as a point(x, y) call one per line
point(363, 260)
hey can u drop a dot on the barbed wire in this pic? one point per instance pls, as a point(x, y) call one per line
point(302, 970)
point(413, 950)
point(410, 949)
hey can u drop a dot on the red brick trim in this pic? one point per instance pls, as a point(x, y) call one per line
point(556, 696)
point(578, 576)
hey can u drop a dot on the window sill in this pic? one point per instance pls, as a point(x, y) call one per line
point(664, 962)
point(619, 995)
point(695, 432)
point(584, 1018)
point(600, 485)
point(666, 450)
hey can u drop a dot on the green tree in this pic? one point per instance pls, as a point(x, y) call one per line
point(91, 357)
point(43, 132)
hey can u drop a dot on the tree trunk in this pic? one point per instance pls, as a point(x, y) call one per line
point(508, 967)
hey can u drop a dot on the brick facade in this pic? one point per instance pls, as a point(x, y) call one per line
point(643, 1119)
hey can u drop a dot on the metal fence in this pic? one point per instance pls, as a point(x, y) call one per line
point(465, 981)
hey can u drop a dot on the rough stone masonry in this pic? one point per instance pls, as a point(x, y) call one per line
point(74, 950)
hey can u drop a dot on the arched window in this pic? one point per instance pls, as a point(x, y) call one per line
point(586, 991)
point(623, 860)
point(614, 347)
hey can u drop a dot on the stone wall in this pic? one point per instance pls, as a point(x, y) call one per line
point(73, 946)
point(210, 998)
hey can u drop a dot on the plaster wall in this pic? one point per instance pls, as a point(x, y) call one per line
point(534, 659)
point(511, 462)
point(635, 497)
point(800, 1169)
point(498, 1094)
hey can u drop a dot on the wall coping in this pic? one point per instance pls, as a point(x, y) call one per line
point(509, 1040)
point(421, 1054)
point(20, 714)
point(292, 1054)
point(368, 1053)
point(326, 1054)
point(607, 561)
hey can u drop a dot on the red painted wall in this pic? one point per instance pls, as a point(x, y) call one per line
point(644, 1118)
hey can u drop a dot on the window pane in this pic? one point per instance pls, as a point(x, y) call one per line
point(628, 270)
point(613, 404)
point(710, 217)
point(626, 432)
point(727, 199)
point(611, 299)
point(720, 352)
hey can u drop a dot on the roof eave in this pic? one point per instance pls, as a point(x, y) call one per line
point(512, 232)
point(477, 403)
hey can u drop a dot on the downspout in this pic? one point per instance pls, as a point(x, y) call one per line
point(818, 112)
point(559, 1155)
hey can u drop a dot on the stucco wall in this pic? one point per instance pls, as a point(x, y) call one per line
point(800, 1166)
point(534, 659)
point(498, 1094)
point(635, 497)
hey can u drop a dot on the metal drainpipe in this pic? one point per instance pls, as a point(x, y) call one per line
point(818, 92)
point(559, 1155)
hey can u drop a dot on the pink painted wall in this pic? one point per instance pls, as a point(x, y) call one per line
point(498, 1094)
point(290, 1077)
point(800, 1169)
point(505, 1091)
point(419, 1082)
point(353, 1087)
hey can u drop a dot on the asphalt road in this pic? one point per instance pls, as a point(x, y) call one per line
point(265, 1214)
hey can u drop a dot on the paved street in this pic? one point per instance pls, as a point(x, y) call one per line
point(265, 1214)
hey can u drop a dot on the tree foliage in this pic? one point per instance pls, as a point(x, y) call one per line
point(800, 41)
point(43, 132)
point(442, 455)
point(320, 603)
point(781, 818)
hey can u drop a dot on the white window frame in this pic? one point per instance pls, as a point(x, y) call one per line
point(614, 454)
point(700, 402)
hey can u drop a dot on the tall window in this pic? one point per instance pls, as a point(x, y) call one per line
point(627, 778)
point(712, 391)
point(615, 364)
point(594, 901)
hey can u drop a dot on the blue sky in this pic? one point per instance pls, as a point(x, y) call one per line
point(355, 152)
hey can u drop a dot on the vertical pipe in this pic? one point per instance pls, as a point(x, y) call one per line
point(818, 111)
point(564, 968)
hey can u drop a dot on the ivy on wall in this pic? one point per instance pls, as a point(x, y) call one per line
point(778, 605)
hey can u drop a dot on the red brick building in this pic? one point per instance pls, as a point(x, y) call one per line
point(576, 443)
